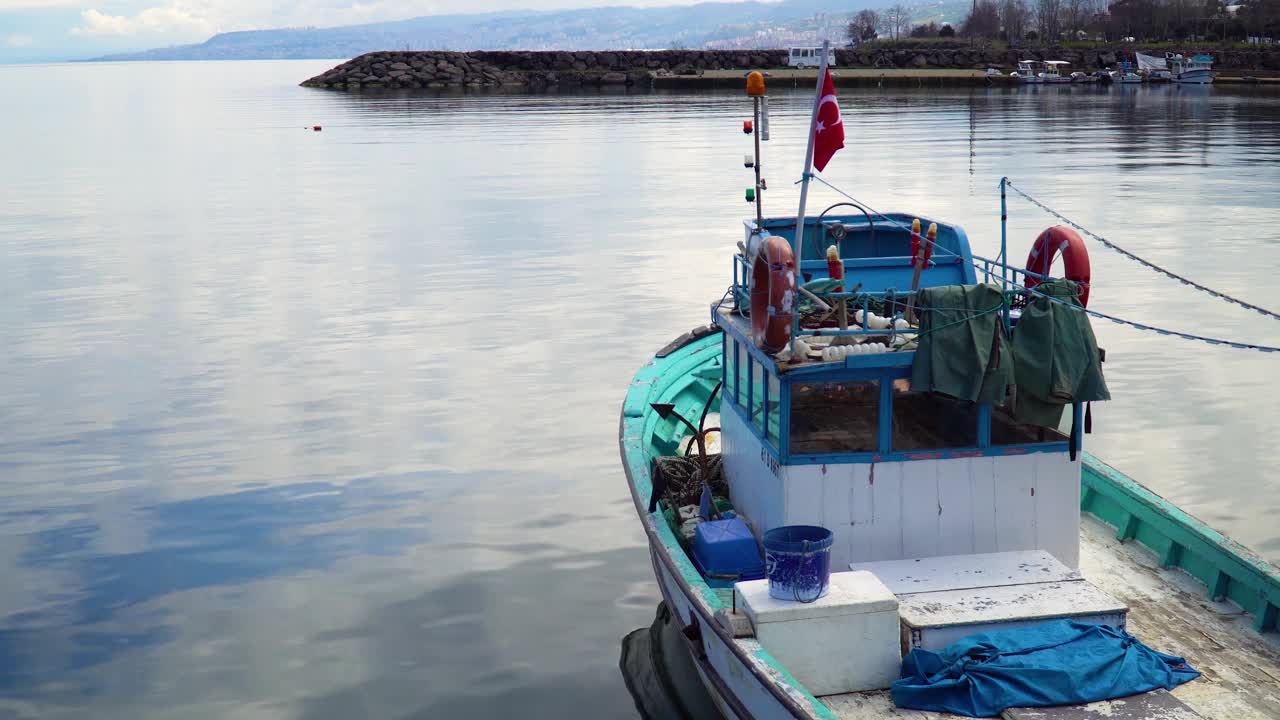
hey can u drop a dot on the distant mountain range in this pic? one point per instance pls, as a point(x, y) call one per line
point(705, 25)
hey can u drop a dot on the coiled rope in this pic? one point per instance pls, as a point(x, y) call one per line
point(1143, 261)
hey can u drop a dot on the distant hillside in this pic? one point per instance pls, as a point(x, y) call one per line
point(706, 25)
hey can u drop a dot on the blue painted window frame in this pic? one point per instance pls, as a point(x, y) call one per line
point(780, 451)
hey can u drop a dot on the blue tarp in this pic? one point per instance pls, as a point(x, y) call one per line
point(1060, 662)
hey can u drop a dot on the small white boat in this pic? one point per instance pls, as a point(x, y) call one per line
point(1052, 73)
point(1026, 72)
point(1196, 70)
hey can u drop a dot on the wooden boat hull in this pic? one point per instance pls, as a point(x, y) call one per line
point(747, 682)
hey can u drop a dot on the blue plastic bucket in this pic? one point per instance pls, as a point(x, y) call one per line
point(797, 561)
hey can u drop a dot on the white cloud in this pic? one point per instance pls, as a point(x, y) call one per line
point(17, 41)
point(170, 20)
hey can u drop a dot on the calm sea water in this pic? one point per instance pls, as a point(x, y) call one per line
point(323, 425)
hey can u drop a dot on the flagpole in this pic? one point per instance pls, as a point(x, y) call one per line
point(808, 155)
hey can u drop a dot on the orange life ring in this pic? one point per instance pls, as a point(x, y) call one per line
point(1075, 256)
point(773, 294)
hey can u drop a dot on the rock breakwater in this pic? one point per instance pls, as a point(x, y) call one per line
point(543, 69)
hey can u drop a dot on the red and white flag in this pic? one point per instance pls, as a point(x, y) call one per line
point(828, 130)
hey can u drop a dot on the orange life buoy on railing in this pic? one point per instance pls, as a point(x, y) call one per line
point(773, 294)
point(1075, 256)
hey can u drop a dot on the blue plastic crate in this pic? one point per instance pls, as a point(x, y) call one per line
point(725, 551)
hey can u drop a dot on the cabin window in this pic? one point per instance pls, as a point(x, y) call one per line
point(756, 408)
point(1006, 430)
point(730, 389)
point(774, 411)
point(837, 417)
point(929, 421)
point(743, 369)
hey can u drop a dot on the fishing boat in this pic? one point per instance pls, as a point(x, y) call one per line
point(1124, 74)
point(1196, 70)
point(801, 405)
point(1026, 73)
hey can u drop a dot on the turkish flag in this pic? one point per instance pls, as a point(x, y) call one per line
point(828, 133)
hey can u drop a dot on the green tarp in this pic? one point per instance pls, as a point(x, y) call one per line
point(1055, 357)
point(964, 351)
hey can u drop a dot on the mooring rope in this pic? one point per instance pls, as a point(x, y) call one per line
point(1119, 320)
point(1162, 331)
point(1142, 261)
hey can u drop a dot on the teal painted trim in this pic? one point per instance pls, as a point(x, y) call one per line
point(1228, 569)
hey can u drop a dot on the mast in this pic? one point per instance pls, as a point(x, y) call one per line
point(808, 155)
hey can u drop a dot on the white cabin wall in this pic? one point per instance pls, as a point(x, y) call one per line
point(1058, 506)
point(911, 509)
point(926, 508)
point(754, 489)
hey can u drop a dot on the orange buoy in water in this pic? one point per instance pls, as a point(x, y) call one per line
point(773, 294)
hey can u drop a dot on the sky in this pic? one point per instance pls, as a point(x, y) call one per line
point(32, 30)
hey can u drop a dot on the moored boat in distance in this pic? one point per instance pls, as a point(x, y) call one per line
point(842, 407)
point(1052, 74)
point(1196, 70)
point(1026, 72)
point(1124, 74)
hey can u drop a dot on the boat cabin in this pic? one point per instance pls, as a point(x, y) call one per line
point(847, 444)
point(1053, 70)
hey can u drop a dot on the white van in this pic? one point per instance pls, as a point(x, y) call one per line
point(810, 57)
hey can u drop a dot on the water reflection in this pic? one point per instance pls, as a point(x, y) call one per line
point(324, 424)
point(660, 674)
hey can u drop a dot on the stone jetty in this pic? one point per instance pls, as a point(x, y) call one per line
point(539, 70)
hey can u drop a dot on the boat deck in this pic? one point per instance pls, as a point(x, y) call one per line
point(1240, 668)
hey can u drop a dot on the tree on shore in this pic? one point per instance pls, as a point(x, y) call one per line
point(925, 30)
point(1049, 19)
point(947, 31)
point(864, 24)
point(1015, 16)
point(983, 21)
point(896, 21)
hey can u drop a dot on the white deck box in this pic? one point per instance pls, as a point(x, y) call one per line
point(846, 641)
